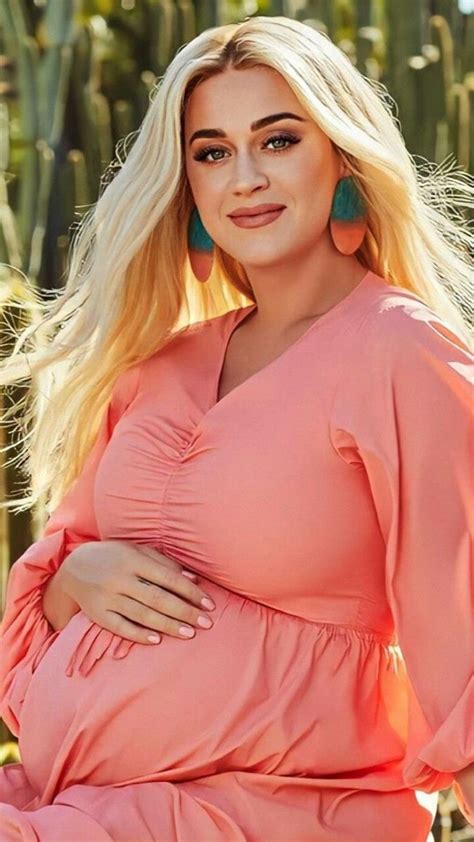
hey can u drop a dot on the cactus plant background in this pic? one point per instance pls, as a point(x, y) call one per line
point(75, 76)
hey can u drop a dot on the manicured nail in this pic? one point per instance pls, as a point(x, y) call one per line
point(207, 603)
point(153, 638)
point(205, 622)
point(187, 631)
point(189, 574)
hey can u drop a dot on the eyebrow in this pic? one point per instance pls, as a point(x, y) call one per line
point(258, 124)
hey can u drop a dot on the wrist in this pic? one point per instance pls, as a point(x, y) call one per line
point(65, 580)
point(58, 604)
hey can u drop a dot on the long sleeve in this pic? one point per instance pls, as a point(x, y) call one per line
point(408, 414)
point(25, 634)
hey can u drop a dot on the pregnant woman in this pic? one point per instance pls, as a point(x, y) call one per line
point(302, 446)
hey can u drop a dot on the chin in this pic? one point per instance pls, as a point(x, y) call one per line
point(262, 260)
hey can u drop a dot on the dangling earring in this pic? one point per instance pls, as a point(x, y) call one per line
point(200, 247)
point(348, 220)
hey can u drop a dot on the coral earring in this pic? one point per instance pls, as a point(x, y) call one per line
point(347, 236)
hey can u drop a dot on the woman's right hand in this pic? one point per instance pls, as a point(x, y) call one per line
point(132, 590)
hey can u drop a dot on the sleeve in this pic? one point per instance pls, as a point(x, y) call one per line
point(409, 417)
point(25, 634)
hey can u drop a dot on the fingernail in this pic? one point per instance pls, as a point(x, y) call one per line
point(153, 638)
point(189, 574)
point(205, 622)
point(186, 631)
point(207, 603)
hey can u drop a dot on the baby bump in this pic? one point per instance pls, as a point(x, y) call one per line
point(244, 694)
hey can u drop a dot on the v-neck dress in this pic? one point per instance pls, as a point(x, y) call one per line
point(326, 505)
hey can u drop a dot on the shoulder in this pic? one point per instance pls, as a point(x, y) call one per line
point(403, 355)
point(179, 350)
point(125, 390)
point(416, 366)
point(186, 339)
point(409, 373)
point(399, 327)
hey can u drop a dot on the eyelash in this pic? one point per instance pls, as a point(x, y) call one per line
point(203, 153)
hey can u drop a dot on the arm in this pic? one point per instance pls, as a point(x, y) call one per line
point(411, 425)
point(25, 633)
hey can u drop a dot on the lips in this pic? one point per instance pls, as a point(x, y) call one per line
point(257, 210)
point(256, 220)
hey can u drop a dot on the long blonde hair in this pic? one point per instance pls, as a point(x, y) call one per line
point(129, 287)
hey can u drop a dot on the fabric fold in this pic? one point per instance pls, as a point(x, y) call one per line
point(452, 745)
point(423, 494)
point(25, 634)
point(94, 643)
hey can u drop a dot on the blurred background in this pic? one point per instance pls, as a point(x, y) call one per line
point(75, 77)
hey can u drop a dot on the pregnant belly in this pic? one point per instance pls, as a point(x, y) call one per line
point(251, 694)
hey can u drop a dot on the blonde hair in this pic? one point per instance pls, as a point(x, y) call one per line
point(129, 287)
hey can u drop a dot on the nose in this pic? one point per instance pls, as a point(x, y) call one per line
point(247, 177)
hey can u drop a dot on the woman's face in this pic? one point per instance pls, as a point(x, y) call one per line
point(288, 162)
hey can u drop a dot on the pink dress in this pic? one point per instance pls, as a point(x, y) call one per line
point(326, 504)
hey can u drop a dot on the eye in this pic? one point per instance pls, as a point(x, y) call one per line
point(210, 150)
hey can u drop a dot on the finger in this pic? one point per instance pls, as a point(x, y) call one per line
point(176, 583)
point(169, 611)
point(153, 553)
point(156, 555)
point(167, 614)
point(123, 627)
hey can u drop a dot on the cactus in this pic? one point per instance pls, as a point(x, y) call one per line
point(461, 125)
point(469, 83)
point(187, 28)
point(441, 37)
point(369, 45)
point(364, 11)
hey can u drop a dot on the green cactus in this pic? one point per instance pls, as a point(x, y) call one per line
point(442, 38)
point(469, 83)
point(460, 126)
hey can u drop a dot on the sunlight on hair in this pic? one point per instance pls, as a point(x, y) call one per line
point(129, 287)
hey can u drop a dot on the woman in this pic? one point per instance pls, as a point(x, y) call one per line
point(306, 454)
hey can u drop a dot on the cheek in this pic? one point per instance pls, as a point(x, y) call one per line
point(196, 180)
point(209, 202)
point(200, 186)
point(317, 190)
point(210, 198)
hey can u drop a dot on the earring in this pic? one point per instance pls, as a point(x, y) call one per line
point(348, 219)
point(200, 247)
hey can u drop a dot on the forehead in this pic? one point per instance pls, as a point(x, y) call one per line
point(239, 95)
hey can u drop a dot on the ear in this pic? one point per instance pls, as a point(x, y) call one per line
point(343, 169)
point(340, 164)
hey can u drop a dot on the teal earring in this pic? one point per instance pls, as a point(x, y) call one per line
point(200, 247)
point(348, 219)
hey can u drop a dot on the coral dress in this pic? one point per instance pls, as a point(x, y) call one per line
point(325, 504)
